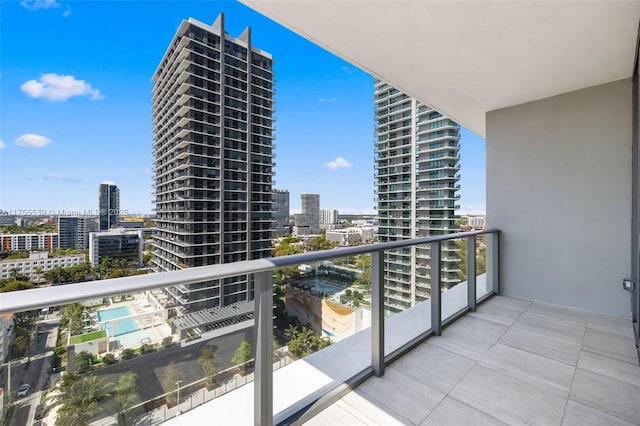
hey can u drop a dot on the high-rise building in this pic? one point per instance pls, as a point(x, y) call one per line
point(308, 220)
point(328, 217)
point(74, 231)
point(281, 211)
point(109, 205)
point(417, 162)
point(213, 148)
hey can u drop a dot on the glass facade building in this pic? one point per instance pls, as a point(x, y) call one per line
point(109, 204)
point(120, 245)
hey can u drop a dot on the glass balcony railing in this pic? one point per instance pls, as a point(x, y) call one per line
point(132, 350)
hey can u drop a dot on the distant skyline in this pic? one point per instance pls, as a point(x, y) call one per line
point(75, 84)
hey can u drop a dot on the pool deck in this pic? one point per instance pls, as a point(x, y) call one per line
point(143, 314)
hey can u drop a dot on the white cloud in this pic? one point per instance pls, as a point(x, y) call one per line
point(347, 69)
point(58, 176)
point(338, 163)
point(55, 87)
point(67, 12)
point(2, 145)
point(321, 100)
point(147, 172)
point(39, 4)
point(33, 140)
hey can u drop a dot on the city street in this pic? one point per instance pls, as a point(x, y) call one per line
point(33, 371)
point(150, 368)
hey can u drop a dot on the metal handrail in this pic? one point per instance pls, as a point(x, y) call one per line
point(263, 278)
point(19, 301)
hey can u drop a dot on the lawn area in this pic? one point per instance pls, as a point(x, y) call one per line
point(81, 338)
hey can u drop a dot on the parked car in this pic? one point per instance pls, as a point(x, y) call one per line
point(39, 412)
point(23, 389)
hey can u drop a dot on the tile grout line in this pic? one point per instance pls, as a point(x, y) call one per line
point(475, 364)
point(566, 403)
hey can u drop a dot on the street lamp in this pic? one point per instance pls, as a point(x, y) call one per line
point(178, 396)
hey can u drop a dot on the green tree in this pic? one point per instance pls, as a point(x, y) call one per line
point(39, 271)
point(462, 256)
point(210, 364)
point(109, 359)
point(287, 247)
point(24, 325)
point(128, 353)
point(169, 381)
point(72, 318)
point(243, 355)
point(17, 254)
point(126, 395)
point(319, 244)
point(303, 341)
point(83, 362)
point(79, 401)
point(15, 285)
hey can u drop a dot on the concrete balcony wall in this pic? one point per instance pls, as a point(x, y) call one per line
point(559, 173)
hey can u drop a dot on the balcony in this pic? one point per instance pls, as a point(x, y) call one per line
point(471, 355)
point(511, 362)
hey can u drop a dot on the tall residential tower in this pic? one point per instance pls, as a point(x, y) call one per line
point(213, 148)
point(417, 162)
point(109, 205)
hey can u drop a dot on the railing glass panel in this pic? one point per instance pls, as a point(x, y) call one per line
point(134, 346)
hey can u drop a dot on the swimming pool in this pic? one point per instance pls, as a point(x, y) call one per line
point(123, 327)
point(320, 286)
point(113, 313)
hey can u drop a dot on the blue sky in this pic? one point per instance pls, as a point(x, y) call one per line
point(75, 99)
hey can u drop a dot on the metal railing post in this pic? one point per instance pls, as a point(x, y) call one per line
point(263, 374)
point(377, 312)
point(436, 280)
point(471, 272)
point(493, 261)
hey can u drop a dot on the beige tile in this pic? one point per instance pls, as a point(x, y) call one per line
point(559, 313)
point(436, 368)
point(621, 326)
point(496, 314)
point(613, 396)
point(610, 367)
point(610, 345)
point(510, 303)
point(550, 327)
point(577, 414)
point(452, 412)
point(469, 337)
point(370, 410)
point(336, 415)
point(401, 395)
point(531, 368)
point(549, 347)
point(510, 400)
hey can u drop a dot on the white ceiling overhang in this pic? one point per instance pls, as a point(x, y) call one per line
point(466, 58)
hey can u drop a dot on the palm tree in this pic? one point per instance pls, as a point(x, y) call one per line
point(80, 401)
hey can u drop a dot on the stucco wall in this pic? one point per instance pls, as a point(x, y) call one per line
point(559, 187)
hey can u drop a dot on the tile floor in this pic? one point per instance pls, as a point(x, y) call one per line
point(513, 362)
